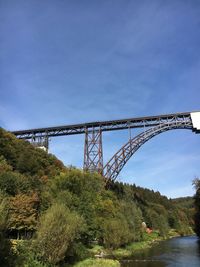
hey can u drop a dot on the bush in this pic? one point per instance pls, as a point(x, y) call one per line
point(58, 229)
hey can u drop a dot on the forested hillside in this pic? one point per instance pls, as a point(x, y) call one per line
point(57, 213)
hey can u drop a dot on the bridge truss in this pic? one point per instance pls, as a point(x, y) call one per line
point(93, 151)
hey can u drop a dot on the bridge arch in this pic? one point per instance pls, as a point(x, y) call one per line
point(118, 161)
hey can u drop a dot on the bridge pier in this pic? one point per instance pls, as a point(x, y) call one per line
point(93, 152)
point(41, 142)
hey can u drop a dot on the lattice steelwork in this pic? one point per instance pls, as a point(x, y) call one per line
point(93, 154)
point(104, 125)
point(117, 162)
point(41, 142)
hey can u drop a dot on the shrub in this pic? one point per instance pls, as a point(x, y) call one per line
point(58, 229)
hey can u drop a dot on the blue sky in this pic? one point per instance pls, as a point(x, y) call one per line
point(64, 62)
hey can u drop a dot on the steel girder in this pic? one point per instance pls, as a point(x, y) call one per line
point(117, 162)
point(104, 125)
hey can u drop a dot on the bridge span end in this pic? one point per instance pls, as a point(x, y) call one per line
point(195, 116)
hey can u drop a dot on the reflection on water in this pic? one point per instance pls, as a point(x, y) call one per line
point(177, 252)
point(198, 247)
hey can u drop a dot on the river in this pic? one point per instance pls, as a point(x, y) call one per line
point(176, 252)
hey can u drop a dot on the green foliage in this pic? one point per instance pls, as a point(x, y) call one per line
point(23, 212)
point(65, 210)
point(98, 263)
point(184, 202)
point(163, 226)
point(26, 159)
point(4, 166)
point(13, 183)
point(115, 232)
point(81, 192)
point(3, 211)
point(112, 222)
point(6, 254)
point(133, 216)
point(196, 183)
point(176, 213)
point(57, 231)
point(25, 256)
point(34, 263)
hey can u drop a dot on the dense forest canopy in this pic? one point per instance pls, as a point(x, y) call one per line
point(56, 212)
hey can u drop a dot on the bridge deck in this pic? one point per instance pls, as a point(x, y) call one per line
point(104, 125)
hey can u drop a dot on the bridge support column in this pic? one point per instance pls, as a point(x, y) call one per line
point(93, 152)
point(41, 142)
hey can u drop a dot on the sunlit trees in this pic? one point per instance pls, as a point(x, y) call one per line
point(58, 229)
point(26, 159)
point(23, 213)
point(134, 218)
point(115, 232)
point(81, 192)
point(13, 183)
point(4, 166)
point(64, 210)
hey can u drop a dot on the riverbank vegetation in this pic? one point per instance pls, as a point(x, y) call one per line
point(196, 183)
point(51, 215)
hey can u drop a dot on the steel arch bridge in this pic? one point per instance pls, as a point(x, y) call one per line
point(117, 162)
point(93, 149)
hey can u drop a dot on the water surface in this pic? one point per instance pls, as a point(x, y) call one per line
point(177, 252)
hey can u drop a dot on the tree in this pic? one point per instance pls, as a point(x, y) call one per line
point(25, 158)
point(58, 229)
point(196, 183)
point(133, 216)
point(162, 226)
point(23, 213)
point(81, 191)
point(115, 232)
point(6, 255)
point(13, 183)
point(4, 166)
